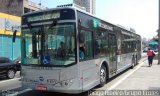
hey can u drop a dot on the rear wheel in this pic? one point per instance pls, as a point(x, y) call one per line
point(102, 76)
point(136, 60)
point(10, 73)
point(133, 62)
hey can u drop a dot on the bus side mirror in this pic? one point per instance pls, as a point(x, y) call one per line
point(81, 37)
point(14, 36)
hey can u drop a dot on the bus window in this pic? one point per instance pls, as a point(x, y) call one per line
point(101, 43)
point(87, 46)
point(60, 44)
point(43, 45)
point(61, 50)
point(81, 37)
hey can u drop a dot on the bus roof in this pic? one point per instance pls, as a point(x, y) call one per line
point(76, 9)
point(58, 8)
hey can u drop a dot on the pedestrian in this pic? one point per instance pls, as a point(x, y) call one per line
point(150, 55)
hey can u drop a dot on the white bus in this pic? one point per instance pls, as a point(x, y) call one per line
point(70, 51)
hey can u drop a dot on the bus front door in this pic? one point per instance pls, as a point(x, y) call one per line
point(89, 70)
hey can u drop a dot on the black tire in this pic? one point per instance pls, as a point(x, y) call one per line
point(133, 62)
point(136, 60)
point(103, 76)
point(11, 73)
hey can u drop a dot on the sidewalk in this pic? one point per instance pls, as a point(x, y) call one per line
point(145, 78)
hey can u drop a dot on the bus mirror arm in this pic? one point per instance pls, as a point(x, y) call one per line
point(54, 23)
point(29, 26)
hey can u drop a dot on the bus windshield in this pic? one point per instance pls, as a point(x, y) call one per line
point(46, 45)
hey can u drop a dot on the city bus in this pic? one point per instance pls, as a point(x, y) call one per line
point(71, 51)
point(153, 46)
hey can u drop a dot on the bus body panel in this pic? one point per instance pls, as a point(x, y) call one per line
point(90, 72)
point(54, 79)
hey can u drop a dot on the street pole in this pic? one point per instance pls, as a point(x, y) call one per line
point(159, 35)
point(12, 45)
point(12, 50)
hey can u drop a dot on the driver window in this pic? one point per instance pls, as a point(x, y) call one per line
point(85, 45)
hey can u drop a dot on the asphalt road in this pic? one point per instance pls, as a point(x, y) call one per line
point(12, 87)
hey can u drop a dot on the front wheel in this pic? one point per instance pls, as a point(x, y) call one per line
point(102, 76)
point(10, 73)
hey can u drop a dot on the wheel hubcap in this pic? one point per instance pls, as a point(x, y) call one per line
point(11, 73)
point(102, 75)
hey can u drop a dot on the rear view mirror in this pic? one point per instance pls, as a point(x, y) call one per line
point(81, 37)
point(14, 36)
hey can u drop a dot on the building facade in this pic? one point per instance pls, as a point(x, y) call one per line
point(10, 20)
point(13, 7)
point(9, 23)
point(29, 6)
point(90, 5)
point(18, 7)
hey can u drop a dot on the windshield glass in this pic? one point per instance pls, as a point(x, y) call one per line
point(49, 45)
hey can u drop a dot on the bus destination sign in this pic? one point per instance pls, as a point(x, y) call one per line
point(45, 16)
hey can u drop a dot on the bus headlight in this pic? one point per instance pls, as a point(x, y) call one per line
point(67, 83)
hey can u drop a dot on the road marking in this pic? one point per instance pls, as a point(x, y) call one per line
point(9, 80)
point(125, 77)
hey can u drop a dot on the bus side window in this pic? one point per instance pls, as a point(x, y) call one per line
point(81, 51)
point(97, 47)
point(81, 37)
point(85, 44)
point(81, 45)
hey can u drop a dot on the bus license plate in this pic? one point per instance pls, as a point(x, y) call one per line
point(43, 88)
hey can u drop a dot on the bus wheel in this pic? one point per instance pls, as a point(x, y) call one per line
point(136, 60)
point(102, 76)
point(133, 62)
